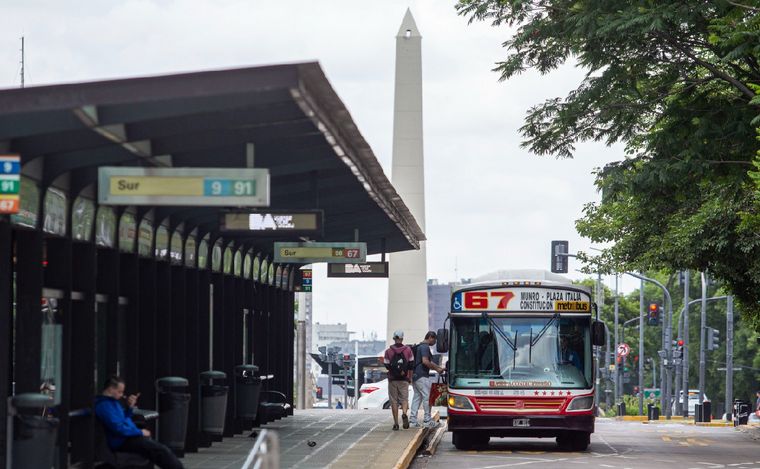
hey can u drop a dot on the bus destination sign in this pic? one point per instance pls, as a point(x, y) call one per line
point(10, 183)
point(242, 187)
point(522, 299)
point(267, 223)
point(310, 253)
point(364, 270)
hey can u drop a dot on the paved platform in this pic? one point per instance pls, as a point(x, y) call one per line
point(343, 439)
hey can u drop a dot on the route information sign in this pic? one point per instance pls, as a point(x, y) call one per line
point(243, 187)
point(10, 183)
point(363, 270)
point(267, 223)
point(310, 253)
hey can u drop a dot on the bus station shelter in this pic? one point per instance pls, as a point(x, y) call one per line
point(89, 290)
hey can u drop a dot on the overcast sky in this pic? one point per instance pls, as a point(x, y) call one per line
point(490, 204)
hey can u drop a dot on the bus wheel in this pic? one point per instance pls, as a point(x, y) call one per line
point(576, 441)
point(468, 440)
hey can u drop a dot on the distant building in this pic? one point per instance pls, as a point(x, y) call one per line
point(439, 297)
point(366, 347)
point(326, 334)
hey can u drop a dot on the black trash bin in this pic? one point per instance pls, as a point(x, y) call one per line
point(213, 403)
point(173, 407)
point(741, 412)
point(247, 391)
point(705, 412)
point(653, 412)
point(621, 409)
point(34, 434)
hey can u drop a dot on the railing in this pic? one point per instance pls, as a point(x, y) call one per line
point(265, 453)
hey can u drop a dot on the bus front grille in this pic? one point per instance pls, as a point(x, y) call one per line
point(519, 405)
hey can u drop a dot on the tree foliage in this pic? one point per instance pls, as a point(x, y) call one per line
point(676, 83)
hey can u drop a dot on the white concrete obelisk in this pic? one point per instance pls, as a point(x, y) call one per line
point(407, 285)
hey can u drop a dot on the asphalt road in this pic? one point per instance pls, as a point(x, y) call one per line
point(614, 445)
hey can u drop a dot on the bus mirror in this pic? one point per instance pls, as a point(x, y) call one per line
point(442, 341)
point(598, 335)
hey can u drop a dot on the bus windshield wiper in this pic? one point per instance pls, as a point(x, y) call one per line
point(534, 340)
point(501, 333)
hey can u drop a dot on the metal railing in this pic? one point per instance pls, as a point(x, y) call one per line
point(265, 453)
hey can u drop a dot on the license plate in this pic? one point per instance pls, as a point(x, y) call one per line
point(521, 422)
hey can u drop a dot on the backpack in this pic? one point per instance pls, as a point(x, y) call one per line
point(399, 365)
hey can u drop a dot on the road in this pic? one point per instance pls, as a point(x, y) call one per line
point(614, 445)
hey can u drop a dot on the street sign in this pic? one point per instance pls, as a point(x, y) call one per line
point(623, 350)
point(306, 276)
point(242, 187)
point(363, 270)
point(652, 393)
point(310, 253)
point(559, 261)
point(10, 183)
point(269, 222)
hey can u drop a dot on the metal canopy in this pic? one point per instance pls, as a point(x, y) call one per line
point(299, 128)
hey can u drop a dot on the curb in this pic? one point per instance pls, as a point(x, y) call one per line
point(411, 449)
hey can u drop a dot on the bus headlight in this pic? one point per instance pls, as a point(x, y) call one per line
point(581, 403)
point(460, 402)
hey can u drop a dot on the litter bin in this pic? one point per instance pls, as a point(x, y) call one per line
point(621, 409)
point(741, 412)
point(173, 406)
point(213, 402)
point(653, 412)
point(34, 434)
point(705, 412)
point(247, 391)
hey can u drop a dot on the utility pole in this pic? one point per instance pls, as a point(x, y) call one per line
point(685, 358)
point(617, 342)
point(702, 330)
point(599, 299)
point(729, 356)
point(641, 348)
point(22, 61)
point(301, 353)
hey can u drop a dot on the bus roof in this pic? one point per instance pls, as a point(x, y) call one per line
point(520, 277)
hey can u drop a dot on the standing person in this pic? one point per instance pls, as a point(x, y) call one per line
point(757, 404)
point(399, 360)
point(121, 432)
point(421, 384)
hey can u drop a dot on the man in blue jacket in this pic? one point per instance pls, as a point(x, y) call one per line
point(122, 433)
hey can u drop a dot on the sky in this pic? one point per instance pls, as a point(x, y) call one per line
point(490, 204)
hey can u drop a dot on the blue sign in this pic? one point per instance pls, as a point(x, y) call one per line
point(10, 165)
point(456, 302)
point(229, 187)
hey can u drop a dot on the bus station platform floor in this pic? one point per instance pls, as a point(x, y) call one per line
point(341, 439)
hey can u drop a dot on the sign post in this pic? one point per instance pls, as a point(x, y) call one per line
point(242, 187)
point(10, 183)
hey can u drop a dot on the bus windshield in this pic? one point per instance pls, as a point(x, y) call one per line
point(521, 352)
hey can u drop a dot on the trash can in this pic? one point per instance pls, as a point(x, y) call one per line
point(247, 391)
point(34, 434)
point(653, 412)
point(741, 412)
point(621, 409)
point(173, 407)
point(705, 412)
point(213, 402)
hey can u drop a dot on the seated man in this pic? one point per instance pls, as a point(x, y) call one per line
point(121, 432)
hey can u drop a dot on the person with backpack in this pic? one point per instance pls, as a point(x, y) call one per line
point(399, 360)
point(421, 384)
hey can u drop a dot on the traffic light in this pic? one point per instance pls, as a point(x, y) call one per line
point(653, 315)
point(678, 349)
point(713, 339)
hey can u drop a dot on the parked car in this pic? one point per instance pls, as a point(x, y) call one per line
point(375, 395)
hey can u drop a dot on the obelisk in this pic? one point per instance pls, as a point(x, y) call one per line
point(407, 285)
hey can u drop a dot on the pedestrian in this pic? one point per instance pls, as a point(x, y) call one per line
point(421, 383)
point(338, 405)
point(757, 404)
point(399, 360)
point(121, 432)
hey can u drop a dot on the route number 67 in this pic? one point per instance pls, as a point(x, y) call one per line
point(479, 299)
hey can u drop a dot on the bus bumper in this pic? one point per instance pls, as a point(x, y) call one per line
point(539, 425)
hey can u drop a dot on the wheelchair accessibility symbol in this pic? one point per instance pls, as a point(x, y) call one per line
point(456, 303)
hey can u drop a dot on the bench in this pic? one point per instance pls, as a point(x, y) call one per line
point(273, 406)
point(105, 457)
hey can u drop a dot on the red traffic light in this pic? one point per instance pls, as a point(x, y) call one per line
point(654, 307)
point(680, 343)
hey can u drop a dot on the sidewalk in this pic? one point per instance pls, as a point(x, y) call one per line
point(343, 439)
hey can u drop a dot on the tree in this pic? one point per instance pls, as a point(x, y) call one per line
point(676, 83)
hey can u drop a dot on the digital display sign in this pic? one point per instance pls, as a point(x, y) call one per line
point(310, 253)
point(363, 270)
point(264, 223)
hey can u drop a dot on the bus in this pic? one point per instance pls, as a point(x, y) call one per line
point(520, 360)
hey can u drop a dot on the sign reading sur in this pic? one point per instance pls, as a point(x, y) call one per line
point(311, 253)
point(245, 187)
point(10, 183)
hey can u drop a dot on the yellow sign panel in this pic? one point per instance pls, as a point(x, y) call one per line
point(309, 252)
point(153, 185)
point(583, 306)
